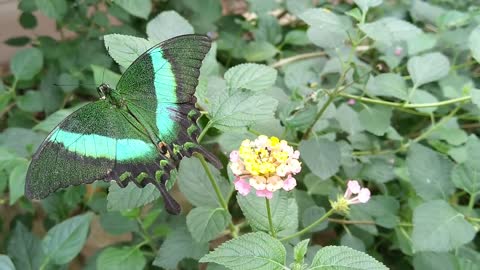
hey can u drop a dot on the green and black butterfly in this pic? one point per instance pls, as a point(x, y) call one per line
point(137, 132)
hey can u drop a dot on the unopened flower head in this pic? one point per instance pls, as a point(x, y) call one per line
point(353, 188)
point(266, 164)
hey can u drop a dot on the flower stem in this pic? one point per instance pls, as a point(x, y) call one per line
point(408, 106)
point(309, 227)
point(220, 198)
point(331, 97)
point(471, 201)
point(269, 215)
point(204, 131)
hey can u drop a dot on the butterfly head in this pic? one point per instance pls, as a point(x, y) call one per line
point(104, 90)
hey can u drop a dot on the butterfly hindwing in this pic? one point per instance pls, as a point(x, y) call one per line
point(166, 77)
point(97, 142)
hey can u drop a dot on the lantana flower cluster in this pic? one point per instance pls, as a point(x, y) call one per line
point(266, 164)
point(353, 188)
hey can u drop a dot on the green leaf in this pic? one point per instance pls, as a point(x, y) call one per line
point(421, 43)
point(326, 29)
point(296, 37)
point(426, 12)
point(166, 25)
point(467, 177)
point(178, 245)
point(237, 109)
point(138, 8)
point(300, 250)
point(268, 29)
point(65, 240)
point(312, 214)
point(115, 223)
point(351, 241)
point(439, 227)
point(388, 85)
point(206, 223)
point(25, 248)
point(378, 170)
point(195, 184)
point(317, 185)
point(6, 263)
point(121, 258)
point(54, 9)
point(376, 119)
point(68, 82)
point(348, 119)
point(27, 5)
point(365, 5)
point(435, 260)
point(476, 97)
point(257, 51)
point(125, 49)
point(22, 142)
point(103, 75)
point(18, 41)
point(16, 182)
point(427, 68)
point(390, 30)
point(297, 7)
point(474, 43)
point(429, 172)
point(130, 197)
point(257, 251)
point(283, 208)
point(333, 257)
point(321, 156)
point(254, 77)
point(27, 20)
point(31, 101)
point(262, 6)
point(473, 151)
point(54, 119)
point(26, 63)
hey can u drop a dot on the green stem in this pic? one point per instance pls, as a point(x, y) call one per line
point(435, 126)
point(219, 194)
point(269, 215)
point(471, 201)
point(319, 114)
point(145, 235)
point(473, 219)
point(408, 106)
point(309, 227)
point(204, 131)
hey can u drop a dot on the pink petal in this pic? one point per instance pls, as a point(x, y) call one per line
point(265, 194)
point(364, 195)
point(353, 186)
point(351, 101)
point(242, 186)
point(289, 183)
point(398, 51)
point(234, 156)
point(296, 154)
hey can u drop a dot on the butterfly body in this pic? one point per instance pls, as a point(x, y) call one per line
point(137, 132)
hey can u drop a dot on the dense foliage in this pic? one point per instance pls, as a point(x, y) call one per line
point(379, 91)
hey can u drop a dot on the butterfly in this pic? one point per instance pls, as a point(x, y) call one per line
point(137, 132)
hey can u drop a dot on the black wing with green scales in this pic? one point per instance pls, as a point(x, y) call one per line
point(159, 89)
point(96, 142)
point(139, 132)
